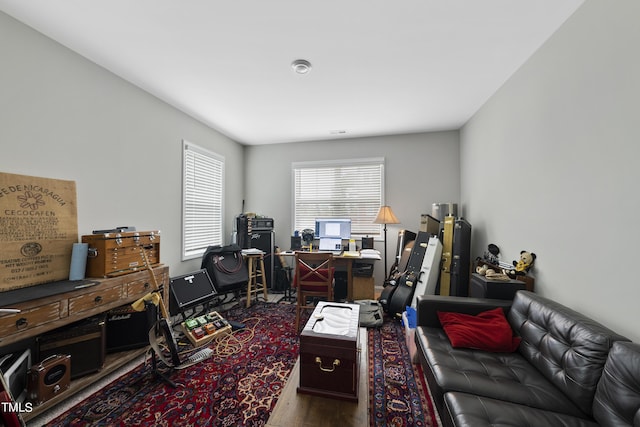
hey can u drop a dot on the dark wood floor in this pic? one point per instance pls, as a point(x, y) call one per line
point(294, 409)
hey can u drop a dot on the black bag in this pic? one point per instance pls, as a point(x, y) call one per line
point(226, 267)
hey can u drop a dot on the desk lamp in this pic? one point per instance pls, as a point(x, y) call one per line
point(385, 216)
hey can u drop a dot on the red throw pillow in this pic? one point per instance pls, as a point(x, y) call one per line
point(488, 331)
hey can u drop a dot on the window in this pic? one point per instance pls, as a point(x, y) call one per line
point(340, 189)
point(202, 199)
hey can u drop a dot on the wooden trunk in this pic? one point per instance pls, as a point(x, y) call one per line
point(329, 352)
point(113, 254)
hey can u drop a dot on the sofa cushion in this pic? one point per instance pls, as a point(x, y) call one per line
point(466, 410)
point(503, 376)
point(487, 331)
point(617, 400)
point(568, 348)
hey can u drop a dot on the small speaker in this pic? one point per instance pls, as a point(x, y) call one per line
point(128, 329)
point(49, 378)
point(296, 243)
point(84, 341)
point(367, 243)
point(189, 290)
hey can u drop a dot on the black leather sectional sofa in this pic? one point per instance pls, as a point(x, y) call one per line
point(567, 371)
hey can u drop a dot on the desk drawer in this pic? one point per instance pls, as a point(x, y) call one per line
point(139, 287)
point(30, 318)
point(95, 299)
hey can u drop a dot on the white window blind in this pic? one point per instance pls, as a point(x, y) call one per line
point(343, 189)
point(202, 200)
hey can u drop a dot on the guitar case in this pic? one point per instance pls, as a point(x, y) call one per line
point(385, 296)
point(403, 293)
point(405, 238)
point(445, 276)
point(430, 271)
point(461, 258)
point(394, 277)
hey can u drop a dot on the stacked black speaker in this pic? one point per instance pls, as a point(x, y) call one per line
point(254, 232)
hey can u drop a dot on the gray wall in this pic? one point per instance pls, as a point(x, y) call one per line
point(420, 169)
point(549, 165)
point(63, 117)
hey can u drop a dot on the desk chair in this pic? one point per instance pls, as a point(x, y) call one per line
point(313, 279)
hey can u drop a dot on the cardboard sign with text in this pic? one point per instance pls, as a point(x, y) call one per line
point(38, 227)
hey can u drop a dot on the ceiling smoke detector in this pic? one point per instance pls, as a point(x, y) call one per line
point(301, 66)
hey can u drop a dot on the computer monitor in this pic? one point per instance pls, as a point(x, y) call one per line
point(333, 227)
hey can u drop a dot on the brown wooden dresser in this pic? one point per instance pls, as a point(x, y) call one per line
point(45, 314)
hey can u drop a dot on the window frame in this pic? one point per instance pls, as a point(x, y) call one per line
point(190, 248)
point(346, 163)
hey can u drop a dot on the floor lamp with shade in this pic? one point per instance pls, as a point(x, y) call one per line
point(385, 216)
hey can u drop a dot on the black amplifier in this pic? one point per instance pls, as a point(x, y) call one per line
point(260, 224)
point(127, 329)
point(246, 225)
point(84, 341)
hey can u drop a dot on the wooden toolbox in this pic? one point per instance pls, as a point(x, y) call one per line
point(329, 351)
point(113, 254)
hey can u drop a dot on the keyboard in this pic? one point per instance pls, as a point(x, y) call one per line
point(335, 253)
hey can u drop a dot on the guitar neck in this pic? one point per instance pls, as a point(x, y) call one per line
point(154, 281)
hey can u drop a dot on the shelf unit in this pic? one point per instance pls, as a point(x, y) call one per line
point(41, 315)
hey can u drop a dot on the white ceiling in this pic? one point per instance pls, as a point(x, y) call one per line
point(379, 67)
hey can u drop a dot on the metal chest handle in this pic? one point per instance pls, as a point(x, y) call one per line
point(336, 362)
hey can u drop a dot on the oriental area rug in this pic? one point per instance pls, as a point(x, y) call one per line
point(240, 384)
point(398, 392)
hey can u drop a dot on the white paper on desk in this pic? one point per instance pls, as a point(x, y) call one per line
point(354, 254)
point(370, 254)
point(252, 251)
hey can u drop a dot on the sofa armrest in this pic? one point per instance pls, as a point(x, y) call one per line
point(429, 305)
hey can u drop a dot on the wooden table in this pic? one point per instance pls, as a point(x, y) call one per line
point(296, 409)
point(357, 287)
point(43, 314)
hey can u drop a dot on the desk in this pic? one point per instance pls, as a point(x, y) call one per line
point(357, 287)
